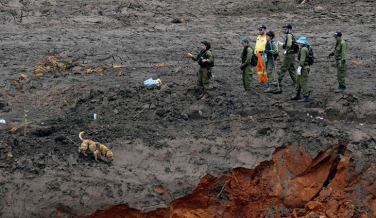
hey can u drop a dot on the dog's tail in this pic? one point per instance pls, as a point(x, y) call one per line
point(80, 135)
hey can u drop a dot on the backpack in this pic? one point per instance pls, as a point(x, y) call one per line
point(254, 59)
point(204, 56)
point(295, 46)
point(310, 55)
point(311, 58)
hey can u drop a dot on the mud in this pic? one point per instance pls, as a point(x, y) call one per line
point(165, 141)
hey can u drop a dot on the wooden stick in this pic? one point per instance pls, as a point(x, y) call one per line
point(25, 121)
point(223, 187)
point(330, 76)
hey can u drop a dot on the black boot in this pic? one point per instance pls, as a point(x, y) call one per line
point(279, 82)
point(340, 89)
point(296, 97)
point(304, 99)
point(270, 88)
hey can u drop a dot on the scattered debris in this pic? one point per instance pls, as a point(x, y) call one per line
point(150, 82)
point(50, 64)
point(161, 65)
point(359, 63)
point(97, 69)
point(13, 130)
point(2, 121)
point(20, 77)
point(118, 66)
point(10, 155)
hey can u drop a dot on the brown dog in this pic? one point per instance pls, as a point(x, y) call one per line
point(96, 148)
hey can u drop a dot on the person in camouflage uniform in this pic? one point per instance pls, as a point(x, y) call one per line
point(245, 60)
point(271, 50)
point(204, 59)
point(302, 71)
point(339, 54)
point(288, 61)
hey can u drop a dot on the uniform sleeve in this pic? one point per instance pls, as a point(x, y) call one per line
point(209, 58)
point(289, 41)
point(275, 49)
point(343, 51)
point(303, 55)
point(249, 57)
point(195, 58)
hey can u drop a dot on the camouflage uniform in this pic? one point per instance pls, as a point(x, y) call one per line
point(302, 80)
point(340, 56)
point(270, 63)
point(247, 69)
point(204, 73)
point(288, 61)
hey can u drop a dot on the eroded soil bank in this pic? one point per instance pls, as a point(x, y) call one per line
point(169, 147)
point(292, 184)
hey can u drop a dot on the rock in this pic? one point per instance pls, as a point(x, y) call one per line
point(316, 206)
point(176, 20)
point(78, 70)
point(197, 111)
point(162, 112)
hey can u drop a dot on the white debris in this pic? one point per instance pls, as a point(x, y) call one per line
point(2, 121)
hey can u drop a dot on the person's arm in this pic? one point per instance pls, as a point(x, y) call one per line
point(275, 48)
point(194, 57)
point(303, 54)
point(343, 52)
point(249, 57)
point(209, 57)
point(289, 41)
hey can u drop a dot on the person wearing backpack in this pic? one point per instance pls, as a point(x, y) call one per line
point(206, 61)
point(271, 50)
point(246, 66)
point(288, 61)
point(339, 54)
point(302, 71)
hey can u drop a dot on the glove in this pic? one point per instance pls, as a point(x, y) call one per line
point(299, 71)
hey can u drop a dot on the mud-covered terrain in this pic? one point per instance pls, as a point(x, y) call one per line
point(84, 57)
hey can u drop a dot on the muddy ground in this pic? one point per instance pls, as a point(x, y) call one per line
point(163, 136)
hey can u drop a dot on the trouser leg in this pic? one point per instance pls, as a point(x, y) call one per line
point(284, 67)
point(205, 79)
point(247, 78)
point(291, 68)
point(199, 78)
point(304, 81)
point(261, 69)
point(341, 74)
point(269, 69)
